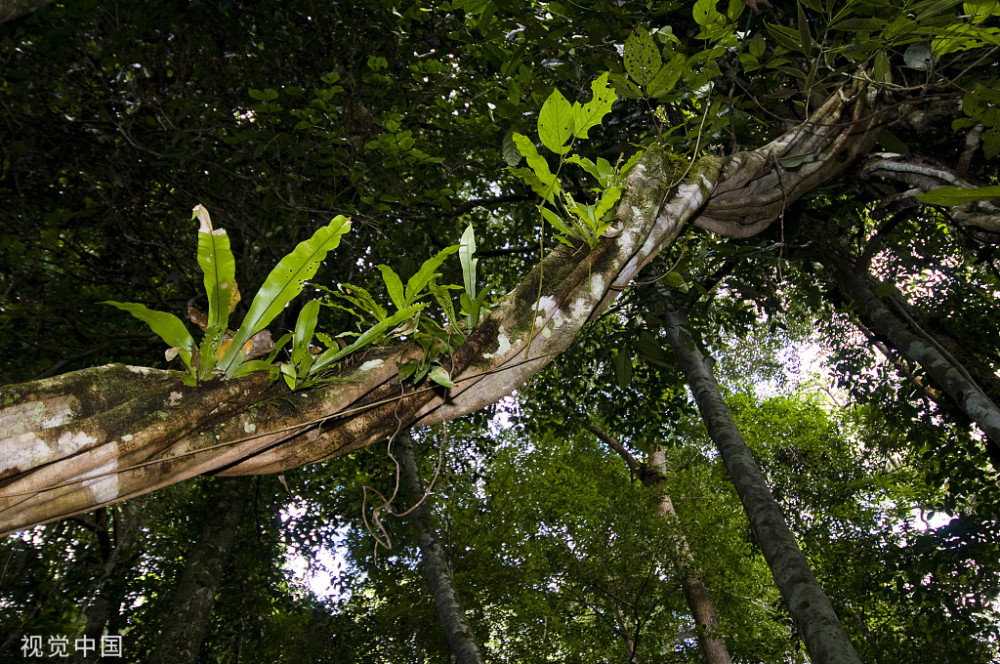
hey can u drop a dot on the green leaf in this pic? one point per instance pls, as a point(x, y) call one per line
point(304, 328)
point(283, 284)
point(394, 285)
point(880, 70)
point(466, 251)
point(948, 196)
point(585, 164)
point(255, 366)
point(511, 155)
point(168, 327)
point(443, 298)
point(642, 57)
point(360, 298)
point(556, 123)
point(219, 268)
point(623, 367)
point(804, 35)
point(440, 376)
point(556, 221)
point(418, 281)
point(666, 79)
point(545, 183)
point(370, 336)
point(592, 113)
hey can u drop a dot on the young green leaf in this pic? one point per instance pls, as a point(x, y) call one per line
point(304, 328)
point(555, 123)
point(283, 284)
point(219, 268)
point(466, 251)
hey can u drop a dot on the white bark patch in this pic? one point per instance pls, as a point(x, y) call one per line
point(598, 285)
point(371, 364)
point(25, 450)
point(145, 371)
point(546, 304)
point(175, 398)
point(104, 486)
point(33, 415)
point(581, 309)
point(503, 345)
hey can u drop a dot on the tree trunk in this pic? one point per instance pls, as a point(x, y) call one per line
point(437, 571)
point(109, 589)
point(814, 617)
point(713, 646)
point(654, 475)
point(188, 620)
point(918, 345)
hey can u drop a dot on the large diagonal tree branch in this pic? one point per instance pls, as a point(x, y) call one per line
point(94, 437)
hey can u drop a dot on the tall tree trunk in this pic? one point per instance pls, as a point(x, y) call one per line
point(895, 324)
point(437, 571)
point(188, 620)
point(109, 590)
point(654, 475)
point(713, 646)
point(814, 617)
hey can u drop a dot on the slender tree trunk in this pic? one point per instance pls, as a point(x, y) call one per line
point(437, 571)
point(918, 345)
point(654, 475)
point(713, 646)
point(188, 619)
point(814, 617)
point(110, 587)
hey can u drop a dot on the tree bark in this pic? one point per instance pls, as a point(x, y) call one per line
point(188, 620)
point(76, 442)
point(713, 646)
point(946, 372)
point(653, 475)
point(437, 570)
point(811, 611)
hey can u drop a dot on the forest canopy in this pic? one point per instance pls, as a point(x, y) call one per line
point(624, 332)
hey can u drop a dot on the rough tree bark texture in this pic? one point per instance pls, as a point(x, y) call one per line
point(188, 620)
point(814, 617)
point(98, 436)
point(437, 571)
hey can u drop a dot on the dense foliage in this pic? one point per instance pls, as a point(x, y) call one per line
point(417, 120)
